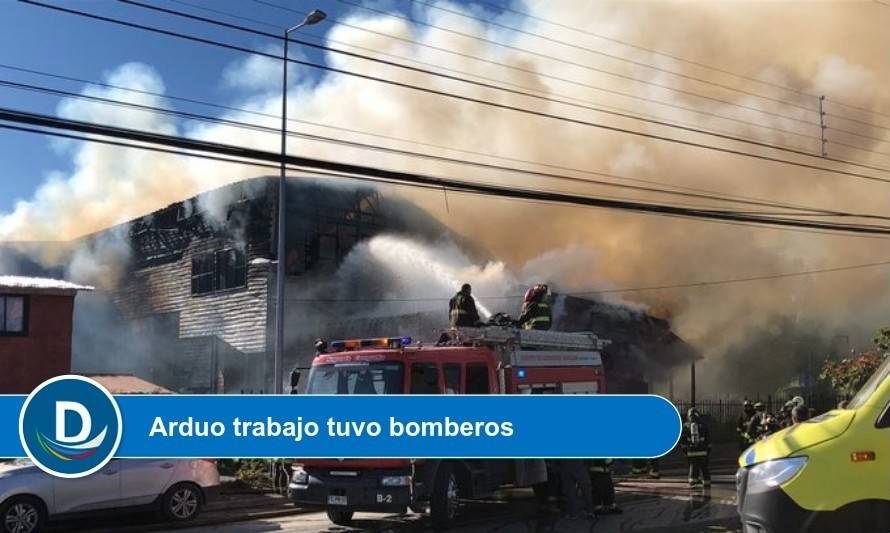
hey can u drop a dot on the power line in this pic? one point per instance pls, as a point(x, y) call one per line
point(524, 87)
point(496, 24)
point(754, 200)
point(554, 77)
point(431, 188)
point(484, 85)
point(690, 285)
point(363, 146)
point(584, 293)
point(861, 122)
point(490, 103)
point(568, 62)
point(424, 71)
point(516, 193)
point(678, 58)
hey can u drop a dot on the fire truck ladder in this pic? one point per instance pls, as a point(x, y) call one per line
point(511, 338)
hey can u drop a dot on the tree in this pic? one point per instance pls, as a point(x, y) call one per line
point(849, 374)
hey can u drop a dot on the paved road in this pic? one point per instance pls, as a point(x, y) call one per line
point(651, 506)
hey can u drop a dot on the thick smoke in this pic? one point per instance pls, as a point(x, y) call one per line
point(836, 49)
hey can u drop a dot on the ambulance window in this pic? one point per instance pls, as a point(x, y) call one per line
point(884, 420)
point(452, 378)
point(424, 379)
point(477, 379)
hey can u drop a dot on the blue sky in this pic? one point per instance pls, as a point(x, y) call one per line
point(45, 40)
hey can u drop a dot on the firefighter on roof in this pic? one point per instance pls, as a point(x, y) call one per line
point(535, 312)
point(462, 310)
point(696, 443)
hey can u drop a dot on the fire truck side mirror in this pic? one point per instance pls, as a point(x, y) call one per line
point(294, 381)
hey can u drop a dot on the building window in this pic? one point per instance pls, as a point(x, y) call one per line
point(231, 269)
point(218, 271)
point(13, 315)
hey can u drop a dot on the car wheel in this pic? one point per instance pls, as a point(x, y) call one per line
point(23, 514)
point(182, 502)
point(341, 518)
point(445, 497)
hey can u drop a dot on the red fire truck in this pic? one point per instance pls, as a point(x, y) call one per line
point(486, 360)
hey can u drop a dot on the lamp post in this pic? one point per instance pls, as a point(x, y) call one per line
point(314, 17)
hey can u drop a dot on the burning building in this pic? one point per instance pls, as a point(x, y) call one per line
point(194, 287)
point(187, 293)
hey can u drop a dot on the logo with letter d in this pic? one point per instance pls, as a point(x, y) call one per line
point(70, 426)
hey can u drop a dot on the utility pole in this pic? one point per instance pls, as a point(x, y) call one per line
point(822, 125)
point(692, 384)
point(313, 17)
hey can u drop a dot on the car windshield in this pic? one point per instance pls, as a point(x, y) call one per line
point(869, 388)
point(357, 378)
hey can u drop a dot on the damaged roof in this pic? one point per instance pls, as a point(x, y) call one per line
point(25, 284)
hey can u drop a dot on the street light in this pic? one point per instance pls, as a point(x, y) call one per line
point(314, 17)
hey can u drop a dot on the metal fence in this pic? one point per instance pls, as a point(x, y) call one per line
point(723, 415)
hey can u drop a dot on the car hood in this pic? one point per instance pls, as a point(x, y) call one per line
point(798, 437)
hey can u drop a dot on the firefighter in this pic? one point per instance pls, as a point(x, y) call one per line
point(535, 313)
point(784, 417)
point(602, 487)
point(799, 414)
point(745, 440)
point(755, 424)
point(576, 488)
point(462, 310)
point(696, 443)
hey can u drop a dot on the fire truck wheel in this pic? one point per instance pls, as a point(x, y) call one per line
point(341, 518)
point(445, 496)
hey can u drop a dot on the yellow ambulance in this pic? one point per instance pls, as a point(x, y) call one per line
point(828, 474)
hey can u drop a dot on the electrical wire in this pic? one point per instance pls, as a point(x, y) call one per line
point(496, 24)
point(527, 88)
point(700, 64)
point(690, 285)
point(547, 75)
point(756, 200)
point(572, 63)
point(480, 101)
point(478, 164)
point(557, 198)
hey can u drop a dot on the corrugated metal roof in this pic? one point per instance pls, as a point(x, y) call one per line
point(40, 284)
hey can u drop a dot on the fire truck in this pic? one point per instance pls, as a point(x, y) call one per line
point(484, 360)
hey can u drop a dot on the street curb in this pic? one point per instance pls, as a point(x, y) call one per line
point(203, 521)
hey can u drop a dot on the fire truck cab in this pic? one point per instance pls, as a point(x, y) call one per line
point(486, 360)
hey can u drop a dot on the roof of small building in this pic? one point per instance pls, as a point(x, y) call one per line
point(25, 284)
point(127, 384)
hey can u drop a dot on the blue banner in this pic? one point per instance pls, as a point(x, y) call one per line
point(396, 426)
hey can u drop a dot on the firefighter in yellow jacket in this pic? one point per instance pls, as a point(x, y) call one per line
point(535, 312)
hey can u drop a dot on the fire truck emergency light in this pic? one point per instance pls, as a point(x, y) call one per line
point(358, 344)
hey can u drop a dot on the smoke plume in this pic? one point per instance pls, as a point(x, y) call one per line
point(837, 49)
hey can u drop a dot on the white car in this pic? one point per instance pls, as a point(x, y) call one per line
point(178, 488)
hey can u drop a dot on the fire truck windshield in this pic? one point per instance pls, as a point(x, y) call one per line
point(357, 378)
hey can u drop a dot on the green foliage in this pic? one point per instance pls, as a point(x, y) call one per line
point(849, 374)
point(252, 472)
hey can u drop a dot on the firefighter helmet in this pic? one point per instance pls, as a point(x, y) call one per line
point(533, 293)
point(759, 406)
point(692, 414)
